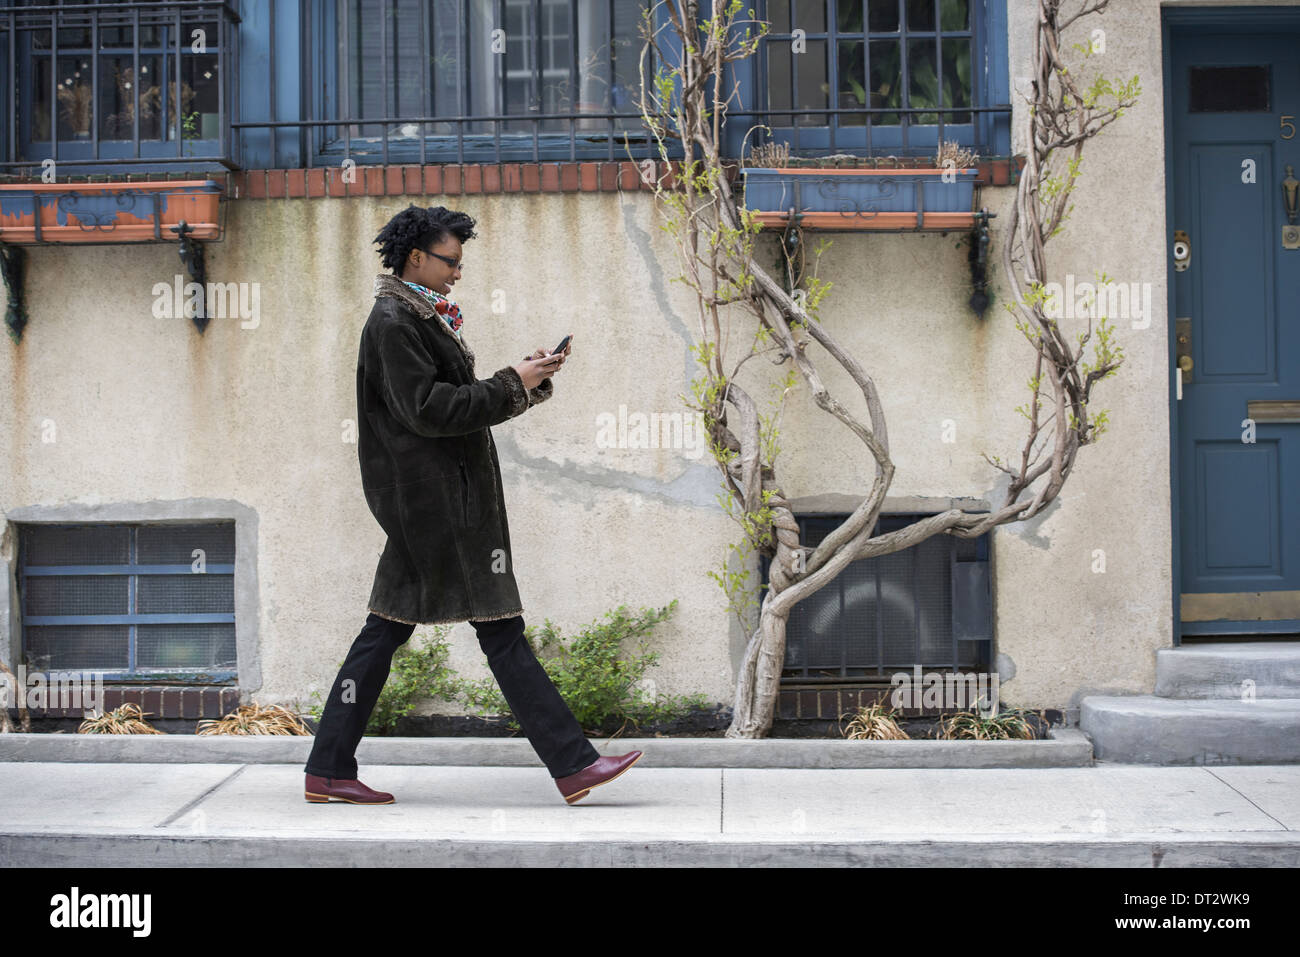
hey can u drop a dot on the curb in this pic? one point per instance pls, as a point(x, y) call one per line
point(1063, 748)
point(89, 849)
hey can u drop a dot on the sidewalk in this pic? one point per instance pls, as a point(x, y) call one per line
point(123, 811)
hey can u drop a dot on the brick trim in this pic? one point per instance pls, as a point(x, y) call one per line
point(826, 704)
point(470, 179)
point(171, 701)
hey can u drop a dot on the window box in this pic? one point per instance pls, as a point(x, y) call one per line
point(868, 199)
point(108, 212)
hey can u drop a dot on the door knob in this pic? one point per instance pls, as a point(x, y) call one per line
point(1182, 250)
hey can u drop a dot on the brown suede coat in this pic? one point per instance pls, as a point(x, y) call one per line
point(429, 468)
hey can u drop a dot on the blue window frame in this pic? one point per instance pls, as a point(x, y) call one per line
point(430, 80)
point(96, 83)
point(890, 77)
point(129, 600)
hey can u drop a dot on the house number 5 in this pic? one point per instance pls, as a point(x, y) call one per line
point(1288, 125)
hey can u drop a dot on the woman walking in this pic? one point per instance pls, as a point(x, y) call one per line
point(431, 477)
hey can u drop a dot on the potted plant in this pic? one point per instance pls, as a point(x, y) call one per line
point(850, 192)
point(75, 98)
point(120, 125)
point(190, 131)
point(151, 104)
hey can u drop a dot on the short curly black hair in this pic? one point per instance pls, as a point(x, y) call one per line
point(419, 227)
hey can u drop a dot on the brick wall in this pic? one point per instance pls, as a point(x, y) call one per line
point(163, 702)
point(452, 179)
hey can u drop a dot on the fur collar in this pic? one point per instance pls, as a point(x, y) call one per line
point(386, 284)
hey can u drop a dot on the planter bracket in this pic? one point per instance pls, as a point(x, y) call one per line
point(191, 253)
point(978, 257)
point(791, 237)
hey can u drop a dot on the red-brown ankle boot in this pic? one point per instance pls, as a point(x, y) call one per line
point(323, 790)
point(575, 787)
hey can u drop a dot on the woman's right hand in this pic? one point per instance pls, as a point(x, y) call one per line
point(534, 370)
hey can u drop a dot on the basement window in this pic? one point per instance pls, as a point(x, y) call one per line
point(928, 606)
point(130, 600)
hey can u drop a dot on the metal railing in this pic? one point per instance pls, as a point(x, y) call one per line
point(978, 143)
point(639, 144)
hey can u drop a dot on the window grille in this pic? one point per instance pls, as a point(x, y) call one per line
point(91, 83)
point(928, 605)
point(506, 79)
point(882, 76)
point(130, 600)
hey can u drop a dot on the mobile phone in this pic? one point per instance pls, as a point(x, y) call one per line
point(560, 348)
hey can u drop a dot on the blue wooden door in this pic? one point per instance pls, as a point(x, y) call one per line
point(1235, 104)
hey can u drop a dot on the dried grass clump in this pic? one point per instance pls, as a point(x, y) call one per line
point(960, 156)
point(876, 723)
point(770, 156)
point(125, 719)
point(253, 719)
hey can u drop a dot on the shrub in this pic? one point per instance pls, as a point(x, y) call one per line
point(596, 682)
point(417, 672)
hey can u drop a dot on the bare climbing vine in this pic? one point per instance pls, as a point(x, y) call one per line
point(744, 313)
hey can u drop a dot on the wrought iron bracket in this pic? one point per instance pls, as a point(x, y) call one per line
point(978, 256)
point(791, 238)
point(191, 253)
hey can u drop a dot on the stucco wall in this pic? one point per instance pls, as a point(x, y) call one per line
point(146, 409)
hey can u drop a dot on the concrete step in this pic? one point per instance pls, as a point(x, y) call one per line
point(1229, 670)
point(1149, 729)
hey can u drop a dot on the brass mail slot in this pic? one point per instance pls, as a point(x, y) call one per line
point(1273, 410)
point(1240, 606)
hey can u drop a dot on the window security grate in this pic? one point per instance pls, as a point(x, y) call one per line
point(475, 80)
point(928, 606)
point(130, 600)
point(106, 83)
point(876, 77)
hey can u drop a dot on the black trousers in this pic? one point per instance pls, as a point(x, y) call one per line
point(534, 700)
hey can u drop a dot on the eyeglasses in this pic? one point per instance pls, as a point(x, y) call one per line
point(450, 262)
